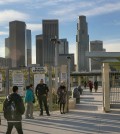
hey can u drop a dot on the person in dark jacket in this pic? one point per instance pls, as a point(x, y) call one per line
point(41, 92)
point(96, 85)
point(62, 97)
point(76, 94)
point(16, 98)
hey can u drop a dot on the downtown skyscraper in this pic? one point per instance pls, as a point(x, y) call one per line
point(63, 46)
point(39, 50)
point(96, 46)
point(82, 44)
point(17, 43)
point(29, 47)
point(50, 30)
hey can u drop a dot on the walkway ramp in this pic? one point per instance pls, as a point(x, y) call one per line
point(87, 118)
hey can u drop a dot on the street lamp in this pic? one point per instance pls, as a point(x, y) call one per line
point(68, 81)
point(68, 61)
point(56, 42)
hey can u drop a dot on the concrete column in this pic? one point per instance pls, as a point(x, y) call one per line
point(79, 80)
point(106, 88)
point(71, 81)
point(65, 79)
point(7, 82)
point(50, 87)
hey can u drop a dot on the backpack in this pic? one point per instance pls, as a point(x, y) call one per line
point(9, 109)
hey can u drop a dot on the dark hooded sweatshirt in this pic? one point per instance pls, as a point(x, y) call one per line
point(20, 109)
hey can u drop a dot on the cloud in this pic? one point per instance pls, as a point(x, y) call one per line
point(69, 11)
point(3, 2)
point(2, 54)
point(112, 45)
point(10, 15)
point(2, 51)
point(48, 3)
point(3, 33)
point(103, 9)
point(72, 49)
point(34, 27)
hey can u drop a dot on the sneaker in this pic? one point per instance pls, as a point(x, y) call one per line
point(40, 114)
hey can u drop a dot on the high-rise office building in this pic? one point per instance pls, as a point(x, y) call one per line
point(64, 61)
point(39, 50)
point(82, 44)
point(7, 46)
point(29, 47)
point(63, 46)
point(96, 63)
point(6, 62)
point(17, 40)
point(50, 30)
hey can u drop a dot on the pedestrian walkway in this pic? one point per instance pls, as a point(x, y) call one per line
point(87, 118)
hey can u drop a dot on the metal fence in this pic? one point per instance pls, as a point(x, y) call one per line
point(115, 87)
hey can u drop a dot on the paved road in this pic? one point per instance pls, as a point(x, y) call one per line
point(87, 118)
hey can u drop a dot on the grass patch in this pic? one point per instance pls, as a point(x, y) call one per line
point(1, 103)
point(36, 104)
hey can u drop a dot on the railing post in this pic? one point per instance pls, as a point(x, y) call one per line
point(7, 82)
point(106, 88)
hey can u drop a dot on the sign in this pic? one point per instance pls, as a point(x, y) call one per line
point(37, 78)
point(33, 65)
point(18, 80)
point(64, 77)
point(38, 69)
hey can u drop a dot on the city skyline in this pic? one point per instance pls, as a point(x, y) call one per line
point(102, 17)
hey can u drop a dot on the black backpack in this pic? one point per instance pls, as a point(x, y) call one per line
point(9, 109)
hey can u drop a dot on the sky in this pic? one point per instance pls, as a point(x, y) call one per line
point(103, 18)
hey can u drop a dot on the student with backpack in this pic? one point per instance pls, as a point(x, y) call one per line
point(13, 109)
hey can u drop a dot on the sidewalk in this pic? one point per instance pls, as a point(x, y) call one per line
point(87, 118)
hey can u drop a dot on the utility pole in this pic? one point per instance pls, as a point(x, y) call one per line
point(68, 81)
point(56, 43)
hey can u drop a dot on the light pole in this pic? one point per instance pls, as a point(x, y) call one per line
point(68, 60)
point(68, 81)
point(56, 43)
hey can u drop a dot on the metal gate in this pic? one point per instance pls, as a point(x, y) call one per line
point(115, 86)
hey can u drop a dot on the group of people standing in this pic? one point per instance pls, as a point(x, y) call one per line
point(41, 92)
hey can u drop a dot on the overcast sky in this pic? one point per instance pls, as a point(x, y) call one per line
point(103, 17)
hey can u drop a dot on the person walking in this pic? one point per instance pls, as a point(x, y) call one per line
point(62, 97)
point(85, 84)
point(41, 92)
point(90, 84)
point(96, 85)
point(13, 109)
point(29, 99)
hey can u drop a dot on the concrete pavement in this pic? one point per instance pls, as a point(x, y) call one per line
point(87, 118)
